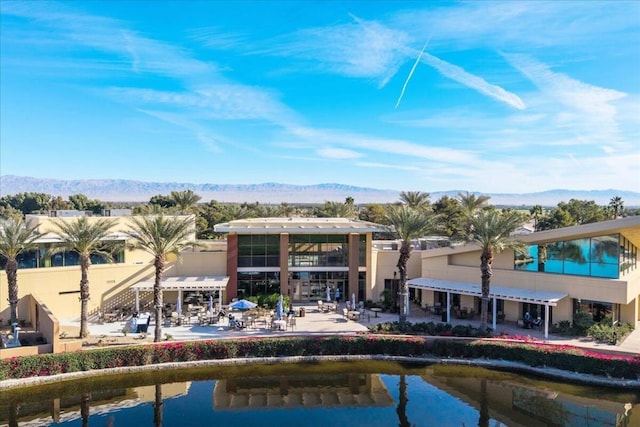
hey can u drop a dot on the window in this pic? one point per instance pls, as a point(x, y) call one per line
point(601, 256)
point(259, 250)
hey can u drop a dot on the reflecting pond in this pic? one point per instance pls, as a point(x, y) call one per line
point(320, 394)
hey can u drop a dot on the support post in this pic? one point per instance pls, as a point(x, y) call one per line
point(494, 313)
point(448, 307)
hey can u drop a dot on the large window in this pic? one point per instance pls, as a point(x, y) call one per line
point(255, 283)
point(601, 256)
point(259, 250)
point(43, 257)
point(318, 250)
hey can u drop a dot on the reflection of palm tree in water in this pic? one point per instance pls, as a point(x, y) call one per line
point(484, 418)
point(401, 410)
point(157, 407)
point(84, 408)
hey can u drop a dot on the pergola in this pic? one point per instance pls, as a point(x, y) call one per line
point(183, 283)
point(546, 298)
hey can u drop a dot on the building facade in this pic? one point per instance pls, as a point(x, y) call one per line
point(592, 267)
point(301, 257)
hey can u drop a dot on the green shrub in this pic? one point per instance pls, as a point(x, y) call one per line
point(582, 321)
point(533, 354)
point(562, 328)
point(610, 334)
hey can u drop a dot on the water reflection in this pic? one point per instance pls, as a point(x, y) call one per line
point(362, 394)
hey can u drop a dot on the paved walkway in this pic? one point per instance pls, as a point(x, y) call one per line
point(316, 322)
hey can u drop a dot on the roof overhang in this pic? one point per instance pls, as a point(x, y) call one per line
point(499, 292)
point(298, 226)
point(185, 283)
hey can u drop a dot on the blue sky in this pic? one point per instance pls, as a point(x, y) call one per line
point(428, 96)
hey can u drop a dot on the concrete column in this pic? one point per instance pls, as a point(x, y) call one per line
point(232, 267)
point(354, 263)
point(284, 266)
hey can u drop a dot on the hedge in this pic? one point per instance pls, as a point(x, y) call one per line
point(569, 358)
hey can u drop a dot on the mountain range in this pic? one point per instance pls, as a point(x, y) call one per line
point(120, 190)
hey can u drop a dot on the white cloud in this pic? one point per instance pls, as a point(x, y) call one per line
point(458, 74)
point(338, 153)
point(364, 49)
point(590, 109)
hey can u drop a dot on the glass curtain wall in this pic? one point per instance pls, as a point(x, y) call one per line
point(602, 256)
point(40, 258)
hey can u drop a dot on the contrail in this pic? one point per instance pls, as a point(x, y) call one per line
point(415, 64)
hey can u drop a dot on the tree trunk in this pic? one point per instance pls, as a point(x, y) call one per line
point(12, 281)
point(157, 407)
point(405, 253)
point(401, 409)
point(157, 297)
point(85, 406)
point(85, 262)
point(486, 260)
point(484, 418)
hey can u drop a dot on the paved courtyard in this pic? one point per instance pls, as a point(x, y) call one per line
point(318, 322)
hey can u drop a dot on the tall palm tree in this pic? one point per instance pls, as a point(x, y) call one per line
point(160, 237)
point(186, 201)
point(415, 199)
point(470, 205)
point(536, 212)
point(86, 238)
point(15, 238)
point(408, 224)
point(491, 230)
point(617, 206)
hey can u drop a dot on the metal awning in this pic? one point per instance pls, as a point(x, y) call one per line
point(495, 292)
point(186, 283)
point(499, 292)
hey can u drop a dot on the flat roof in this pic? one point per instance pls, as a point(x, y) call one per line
point(500, 292)
point(185, 283)
point(298, 226)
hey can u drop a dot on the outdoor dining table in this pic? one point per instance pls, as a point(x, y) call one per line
point(353, 314)
point(280, 325)
point(376, 310)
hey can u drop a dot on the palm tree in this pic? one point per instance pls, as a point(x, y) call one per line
point(86, 238)
point(617, 205)
point(415, 199)
point(15, 238)
point(160, 237)
point(536, 212)
point(409, 224)
point(491, 230)
point(470, 204)
point(185, 201)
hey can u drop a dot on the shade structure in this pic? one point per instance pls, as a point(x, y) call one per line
point(353, 301)
point(242, 304)
point(328, 294)
point(279, 308)
point(210, 303)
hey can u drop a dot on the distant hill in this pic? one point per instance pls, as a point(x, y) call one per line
point(118, 190)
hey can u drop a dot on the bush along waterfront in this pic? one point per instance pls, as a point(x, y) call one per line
point(572, 359)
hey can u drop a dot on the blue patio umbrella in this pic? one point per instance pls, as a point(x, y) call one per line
point(242, 304)
point(279, 308)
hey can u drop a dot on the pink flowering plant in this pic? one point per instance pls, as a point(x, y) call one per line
point(531, 353)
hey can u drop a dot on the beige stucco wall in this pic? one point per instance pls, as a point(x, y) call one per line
point(383, 265)
point(459, 267)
